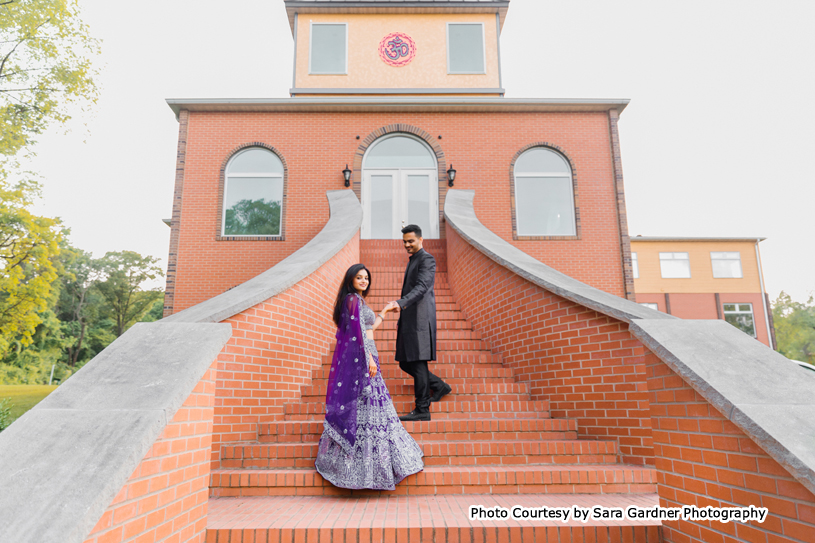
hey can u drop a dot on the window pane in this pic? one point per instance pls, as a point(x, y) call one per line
point(544, 206)
point(729, 307)
point(252, 206)
point(381, 206)
point(465, 48)
point(650, 305)
point(256, 161)
point(418, 190)
point(743, 322)
point(399, 152)
point(327, 49)
point(674, 265)
point(726, 264)
point(635, 265)
point(540, 160)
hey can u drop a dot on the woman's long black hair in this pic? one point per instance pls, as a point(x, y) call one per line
point(347, 287)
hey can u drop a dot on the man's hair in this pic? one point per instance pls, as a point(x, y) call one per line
point(412, 228)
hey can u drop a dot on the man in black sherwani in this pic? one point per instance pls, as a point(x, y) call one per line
point(416, 329)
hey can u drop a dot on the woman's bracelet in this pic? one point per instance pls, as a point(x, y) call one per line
point(381, 316)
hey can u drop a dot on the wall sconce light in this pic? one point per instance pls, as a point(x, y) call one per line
point(451, 176)
point(346, 173)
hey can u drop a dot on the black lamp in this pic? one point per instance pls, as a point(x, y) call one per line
point(451, 176)
point(346, 173)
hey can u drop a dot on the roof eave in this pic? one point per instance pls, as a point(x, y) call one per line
point(408, 6)
point(397, 104)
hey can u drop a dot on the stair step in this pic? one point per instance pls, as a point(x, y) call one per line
point(594, 480)
point(443, 371)
point(393, 518)
point(461, 324)
point(442, 357)
point(459, 390)
point(437, 453)
point(436, 430)
point(389, 345)
point(442, 334)
point(408, 397)
point(442, 410)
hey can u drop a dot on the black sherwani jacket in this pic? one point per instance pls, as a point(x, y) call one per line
point(416, 329)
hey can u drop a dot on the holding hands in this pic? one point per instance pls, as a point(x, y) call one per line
point(392, 306)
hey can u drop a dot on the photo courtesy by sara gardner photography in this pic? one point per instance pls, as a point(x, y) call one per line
point(414, 271)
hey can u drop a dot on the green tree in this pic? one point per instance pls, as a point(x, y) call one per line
point(124, 273)
point(28, 245)
point(795, 328)
point(45, 68)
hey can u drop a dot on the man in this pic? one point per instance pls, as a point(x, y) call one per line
point(416, 329)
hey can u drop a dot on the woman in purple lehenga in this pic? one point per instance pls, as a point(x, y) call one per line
point(364, 444)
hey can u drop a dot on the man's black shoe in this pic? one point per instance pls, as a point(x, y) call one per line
point(441, 393)
point(415, 415)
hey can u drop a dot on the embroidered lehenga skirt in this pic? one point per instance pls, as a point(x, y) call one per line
point(383, 454)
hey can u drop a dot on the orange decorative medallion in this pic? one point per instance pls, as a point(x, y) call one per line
point(397, 49)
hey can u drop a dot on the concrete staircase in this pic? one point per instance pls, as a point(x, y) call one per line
point(489, 443)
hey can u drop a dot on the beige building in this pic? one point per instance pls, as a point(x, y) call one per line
point(704, 278)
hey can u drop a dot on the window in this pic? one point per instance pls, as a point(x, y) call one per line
point(635, 265)
point(741, 316)
point(328, 49)
point(726, 265)
point(253, 194)
point(674, 265)
point(465, 48)
point(650, 305)
point(544, 194)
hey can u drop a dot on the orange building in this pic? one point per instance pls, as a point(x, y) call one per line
point(704, 278)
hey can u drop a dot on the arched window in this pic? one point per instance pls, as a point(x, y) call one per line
point(253, 194)
point(544, 194)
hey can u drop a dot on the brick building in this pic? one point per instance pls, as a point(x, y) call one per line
point(566, 393)
point(546, 173)
point(704, 278)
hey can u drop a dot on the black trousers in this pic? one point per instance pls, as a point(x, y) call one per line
point(423, 381)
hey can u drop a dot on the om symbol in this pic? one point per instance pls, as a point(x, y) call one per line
point(397, 49)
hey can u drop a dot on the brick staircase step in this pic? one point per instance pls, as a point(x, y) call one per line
point(441, 519)
point(441, 410)
point(407, 397)
point(436, 430)
point(459, 390)
point(384, 346)
point(437, 453)
point(443, 357)
point(444, 371)
point(442, 334)
point(594, 480)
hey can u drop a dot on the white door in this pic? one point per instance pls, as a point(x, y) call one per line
point(392, 199)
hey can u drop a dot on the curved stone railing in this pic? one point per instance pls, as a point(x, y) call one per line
point(767, 397)
point(63, 462)
point(342, 226)
point(108, 447)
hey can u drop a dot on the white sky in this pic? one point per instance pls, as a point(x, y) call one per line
point(719, 138)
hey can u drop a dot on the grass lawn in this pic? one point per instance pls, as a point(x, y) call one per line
point(24, 397)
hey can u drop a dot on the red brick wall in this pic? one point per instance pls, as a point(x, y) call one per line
point(704, 459)
point(275, 345)
point(165, 498)
point(317, 146)
point(586, 364)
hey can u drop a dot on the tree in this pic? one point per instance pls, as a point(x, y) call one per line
point(795, 328)
point(124, 273)
point(45, 68)
point(28, 244)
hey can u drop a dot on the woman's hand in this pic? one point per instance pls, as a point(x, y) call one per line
point(372, 369)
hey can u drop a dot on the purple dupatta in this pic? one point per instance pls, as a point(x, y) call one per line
point(348, 375)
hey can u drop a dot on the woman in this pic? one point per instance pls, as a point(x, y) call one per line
point(364, 445)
